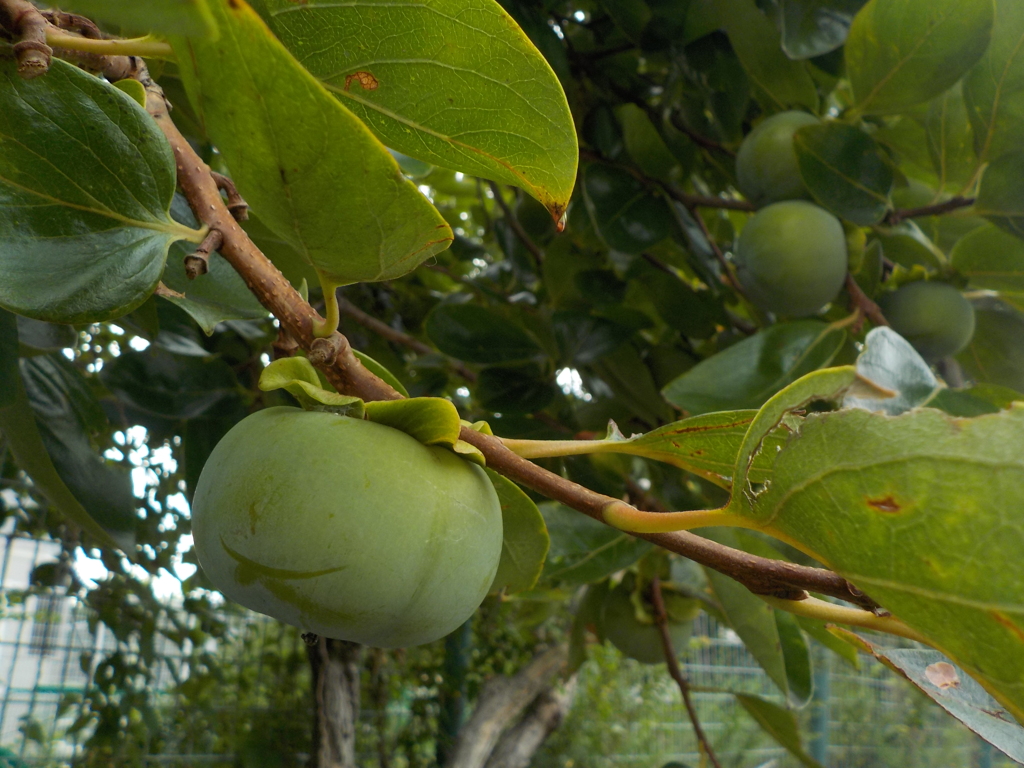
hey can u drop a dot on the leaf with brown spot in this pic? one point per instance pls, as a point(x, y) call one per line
point(311, 169)
point(465, 87)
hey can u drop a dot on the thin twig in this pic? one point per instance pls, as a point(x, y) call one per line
point(513, 223)
point(236, 203)
point(398, 337)
point(863, 302)
point(701, 141)
point(661, 619)
point(198, 262)
point(347, 375)
point(728, 276)
point(26, 23)
point(936, 209)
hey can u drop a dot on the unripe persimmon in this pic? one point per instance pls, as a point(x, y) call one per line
point(346, 528)
point(791, 258)
point(934, 317)
point(766, 165)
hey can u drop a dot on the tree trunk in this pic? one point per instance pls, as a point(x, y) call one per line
point(336, 689)
point(517, 747)
point(501, 701)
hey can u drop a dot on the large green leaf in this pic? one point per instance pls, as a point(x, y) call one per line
point(452, 82)
point(525, 541)
point(779, 82)
point(746, 374)
point(584, 550)
point(920, 511)
point(843, 168)
point(994, 88)
point(86, 181)
point(1001, 196)
point(20, 427)
point(902, 52)
point(167, 17)
point(815, 27)
point(992, 259)
point(309, 167)
point(995, 354)
point(950, 138)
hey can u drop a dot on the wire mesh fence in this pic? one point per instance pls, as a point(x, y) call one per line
point(52, 647)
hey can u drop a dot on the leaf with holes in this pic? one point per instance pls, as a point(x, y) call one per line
point(308, 166)
point(86, 181)
point(920, 511)
point(452, 82)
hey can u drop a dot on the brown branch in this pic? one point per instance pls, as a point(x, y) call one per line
point(26, 23)
point(384, 330)
point(863, 302)
point(661, 619)
point(936, 209)
point(198, 262)
point(236, 204)
point(345, 372)
point(513, 222)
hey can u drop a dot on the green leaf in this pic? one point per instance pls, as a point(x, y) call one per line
point(890, 362)
point(779, 82)
point(585, 338)
point(902, 52)
point(625, 213)
point(994, 88)
point(705, 445)
point(35, 336)
point(907, 245)
point(837, 645)
point(1001, 196)
point(19, 426)
point(66, 412)
point(843, 168)
point(453, 82)
point(974, 401)
point(86, 181)
point(746, 374)
point(221, 294)
point(779, 723)
point(169, 386)
point(297, 376)
point(996, 352)
point(584, 550)
point(478, 335)
point(381, 372)
point(814, 27)
point(950, 138)
point(431, 420)
point(309, 167)
point(166, 17)
point(644, 143)
point(633, 385)
point(994, 260)
point(525, 541)
point(797, 658)
point(889, 502)
point(964, 699)
point(749, 616)
point(515, 389)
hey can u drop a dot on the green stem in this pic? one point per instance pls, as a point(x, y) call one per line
point(147, 47)
point(324, 328)
point(813, 608)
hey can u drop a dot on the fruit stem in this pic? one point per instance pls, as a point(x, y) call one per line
point(813, 608)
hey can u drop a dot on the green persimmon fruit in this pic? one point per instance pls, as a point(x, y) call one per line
point(791, 258)
point(346, 528)
point(767, 170)
point(934, 317)
point(641, 641)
